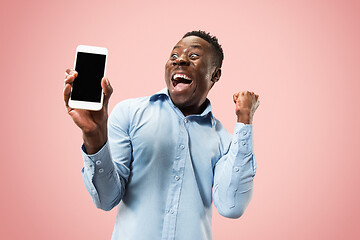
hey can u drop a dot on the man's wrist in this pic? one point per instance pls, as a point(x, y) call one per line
point(244, 119)
point(94, 142)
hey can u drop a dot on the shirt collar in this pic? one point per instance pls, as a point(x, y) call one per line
point(159, 93)
point(206, 113)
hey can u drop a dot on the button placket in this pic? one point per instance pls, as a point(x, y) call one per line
point(174, 191)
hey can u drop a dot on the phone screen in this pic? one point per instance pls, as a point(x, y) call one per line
point(87, 85)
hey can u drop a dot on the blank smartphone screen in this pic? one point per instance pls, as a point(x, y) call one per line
point(87, 85)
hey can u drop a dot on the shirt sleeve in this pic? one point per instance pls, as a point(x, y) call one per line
point(234, 174)
point(106, 172)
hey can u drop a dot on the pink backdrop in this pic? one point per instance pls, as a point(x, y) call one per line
point(301, 57)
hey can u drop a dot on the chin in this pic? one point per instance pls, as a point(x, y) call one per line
point(179, 101)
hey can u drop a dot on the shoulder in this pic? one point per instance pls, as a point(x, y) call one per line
point(125, 110)
point(130, 104)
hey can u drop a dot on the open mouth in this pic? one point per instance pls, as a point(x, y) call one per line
point(180, 78)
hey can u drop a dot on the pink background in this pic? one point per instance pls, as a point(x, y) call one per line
point(301, 57)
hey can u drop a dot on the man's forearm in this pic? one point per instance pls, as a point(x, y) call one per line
point(102, 180)
point(234, 174)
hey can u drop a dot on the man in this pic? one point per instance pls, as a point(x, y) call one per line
point(163, 159)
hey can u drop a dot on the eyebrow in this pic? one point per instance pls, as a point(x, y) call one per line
point(192, 46)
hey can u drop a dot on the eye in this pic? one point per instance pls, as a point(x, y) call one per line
point(174, 56)
point(193, 55)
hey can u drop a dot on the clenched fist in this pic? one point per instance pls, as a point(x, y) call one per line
point(246, 105)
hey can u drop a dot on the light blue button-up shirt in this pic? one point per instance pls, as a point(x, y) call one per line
point(163, 170)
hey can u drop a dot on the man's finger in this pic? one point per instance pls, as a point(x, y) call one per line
point(107, 89)
point(70, 71)
point(70, 75)
point(67, 91)
point(70, 78)
point(257, 104)
point(235, 97)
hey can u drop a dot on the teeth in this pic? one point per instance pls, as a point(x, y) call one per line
point(176, 76)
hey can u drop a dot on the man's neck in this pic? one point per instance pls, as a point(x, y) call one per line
point(197, 110)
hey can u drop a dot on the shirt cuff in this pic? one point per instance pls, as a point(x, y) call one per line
point(243, 146)
point(99, 163)
point(243, 138)
point(239, 125)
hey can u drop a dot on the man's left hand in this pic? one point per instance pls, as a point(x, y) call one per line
point(246, 104)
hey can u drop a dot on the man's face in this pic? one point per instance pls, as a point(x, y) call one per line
point(188, 73)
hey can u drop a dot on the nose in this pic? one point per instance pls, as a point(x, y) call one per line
point(181, 61)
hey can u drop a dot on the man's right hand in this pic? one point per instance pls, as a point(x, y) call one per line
point(92, 123)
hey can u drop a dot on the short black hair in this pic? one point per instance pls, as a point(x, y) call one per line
point(219, 54)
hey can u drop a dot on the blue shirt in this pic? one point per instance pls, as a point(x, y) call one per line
point(163, 170)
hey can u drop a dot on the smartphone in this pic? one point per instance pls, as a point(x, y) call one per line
point(86, 91)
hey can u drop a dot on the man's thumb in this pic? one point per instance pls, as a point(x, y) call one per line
point(107, 89)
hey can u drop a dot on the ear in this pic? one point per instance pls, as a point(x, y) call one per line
point(216, 75)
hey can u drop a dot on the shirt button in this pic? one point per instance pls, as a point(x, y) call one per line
point(244, 133)
point(171, 211)
point(236, 169)
point(101, 170)
point(182, 146)
point(235, 141)
point(243, 143)
point(98, 162)
point(185, 120)
point(177, 178)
